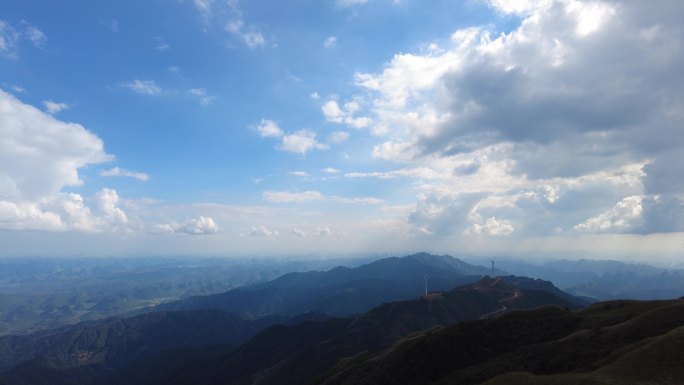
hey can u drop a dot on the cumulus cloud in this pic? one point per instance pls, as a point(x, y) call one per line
point(345, 114)
point(622, 216)
point(65, 212)
point(331, 170)
point(107, 203)
point(197, 226)
point(39, 157)
point(117, 171)
point(200, 226)
point(53, 107)
point(269, 129)
point(301, 174)
point(145, 87)
point(262, 231)
point(300, 142)
point(50, 151)
point(492, 226)
point(577, 90)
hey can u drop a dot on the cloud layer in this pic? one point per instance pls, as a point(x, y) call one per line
point(571, 122)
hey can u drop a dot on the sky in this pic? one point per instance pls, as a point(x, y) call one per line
point(235, 127)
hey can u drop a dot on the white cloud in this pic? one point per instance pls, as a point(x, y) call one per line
point(197, 226)
point(65, 212)
point(291, 196)
point(416, 172)
point(518, 7)
point(301, 174)
point(262, 231)
point(308, 196)
point(248, 34)
point(346, 114)
point(330, 42)
point(35, 36)
point(324, 231)
point(53, 107)
point(107, 201)
point(17, 89)
point(363, 201)
point(200, 226)
point(337, 137)
point(492, 226)
point(40, 155)
point(298, 142)
point(145, 87)
point(116, 171)
point(269, 129)
point(299, 232)
point(202, 95)
point(161, 44)
point(205, 7)
point(555, 103)
point(315, 96)
point(332, 111)
point(331, 170)
point(301, 142)
point(624, 215)
point(228, 16)
point(8, 39)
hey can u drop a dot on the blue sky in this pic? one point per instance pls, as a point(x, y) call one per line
point(225, 127)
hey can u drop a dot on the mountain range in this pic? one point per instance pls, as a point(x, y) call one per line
point(369, 324)
point(340, 291)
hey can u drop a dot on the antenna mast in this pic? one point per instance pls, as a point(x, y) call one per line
point(426, 284)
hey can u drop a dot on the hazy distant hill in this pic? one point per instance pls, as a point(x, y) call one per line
point(298, 354)
point(341, 291)
point(620, 342)
point(45, 293)
point(604, 280)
